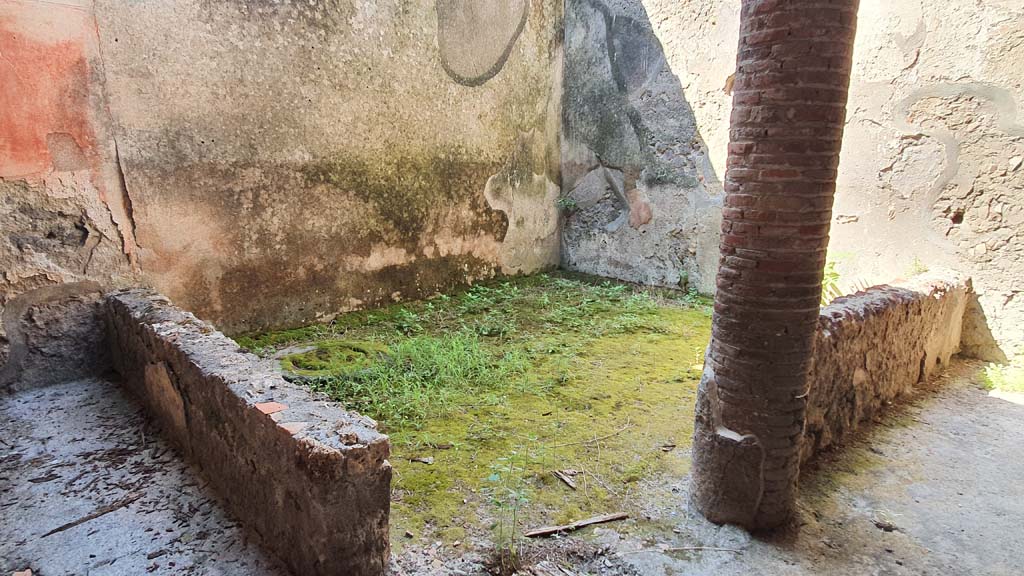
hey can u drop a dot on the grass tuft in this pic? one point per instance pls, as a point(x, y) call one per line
point(1006, 377)
point(423, 377)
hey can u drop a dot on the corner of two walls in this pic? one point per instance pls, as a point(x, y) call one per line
point(272, 165)
point(641, 193)
point(932, 168)
point(291, 161)
point(65, 218)
point(276, 165)
point(931, 173)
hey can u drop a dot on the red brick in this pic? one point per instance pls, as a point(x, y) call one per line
point(271, 407)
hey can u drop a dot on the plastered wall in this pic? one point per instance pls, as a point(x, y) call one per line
point(64, 217)
point(641, 195)
point(272, 164)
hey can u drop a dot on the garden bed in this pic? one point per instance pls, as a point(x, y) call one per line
point(487, 393)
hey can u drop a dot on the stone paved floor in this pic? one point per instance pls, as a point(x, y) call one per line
point(936, 488)
point(71, 450)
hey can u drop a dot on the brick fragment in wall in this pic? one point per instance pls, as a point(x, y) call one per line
point(875, 346)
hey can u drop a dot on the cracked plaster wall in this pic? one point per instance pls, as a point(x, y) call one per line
point(64, 218)
point(291, 160)
point(932, 168)
point(273, 164)
point(284, 163)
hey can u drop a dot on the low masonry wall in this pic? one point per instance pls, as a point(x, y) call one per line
point(875, 346)
point(312, 480)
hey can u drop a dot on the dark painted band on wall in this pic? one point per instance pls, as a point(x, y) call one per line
point(469, 32)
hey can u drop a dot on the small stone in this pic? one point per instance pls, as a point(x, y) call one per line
point(1015, 162)
point(294, 428)
point(409, 534)
point(885, 526)
point(428, 460)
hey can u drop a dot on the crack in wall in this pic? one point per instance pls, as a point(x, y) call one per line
point(129, 207)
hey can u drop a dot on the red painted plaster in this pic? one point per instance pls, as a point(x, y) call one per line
point(44, 89)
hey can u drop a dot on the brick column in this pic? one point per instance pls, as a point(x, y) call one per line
point(789, 106)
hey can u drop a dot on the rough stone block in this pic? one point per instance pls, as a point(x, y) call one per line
point(311, 480)
point(874, 346)
point(55, 334)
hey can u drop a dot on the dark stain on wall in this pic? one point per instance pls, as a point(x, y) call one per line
point(475, 37)
point(364, 234)
point(405, 189)
point(631, 152)
point(601, 67)
point(326, 15)
point(275, 304)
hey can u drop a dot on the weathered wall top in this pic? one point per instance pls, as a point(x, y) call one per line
point(875, 346)
point(309, 479)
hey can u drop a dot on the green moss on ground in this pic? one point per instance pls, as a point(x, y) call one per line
point(508, 381)
point(329, 358)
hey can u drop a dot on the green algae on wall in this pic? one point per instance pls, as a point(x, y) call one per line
point(512, 381)
point(406, 189)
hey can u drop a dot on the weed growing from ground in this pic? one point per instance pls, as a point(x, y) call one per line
point(425, 376)
point(1005, 377)
point(508, 493)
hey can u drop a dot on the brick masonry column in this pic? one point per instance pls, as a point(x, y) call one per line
point(789, 107)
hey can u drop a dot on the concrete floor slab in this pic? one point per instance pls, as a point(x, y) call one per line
point(73, 451)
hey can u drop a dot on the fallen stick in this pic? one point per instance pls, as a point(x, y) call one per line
point(551, 530)
point(689, 548)
point(683, 549)
point(564, 478)
point(103, 511)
